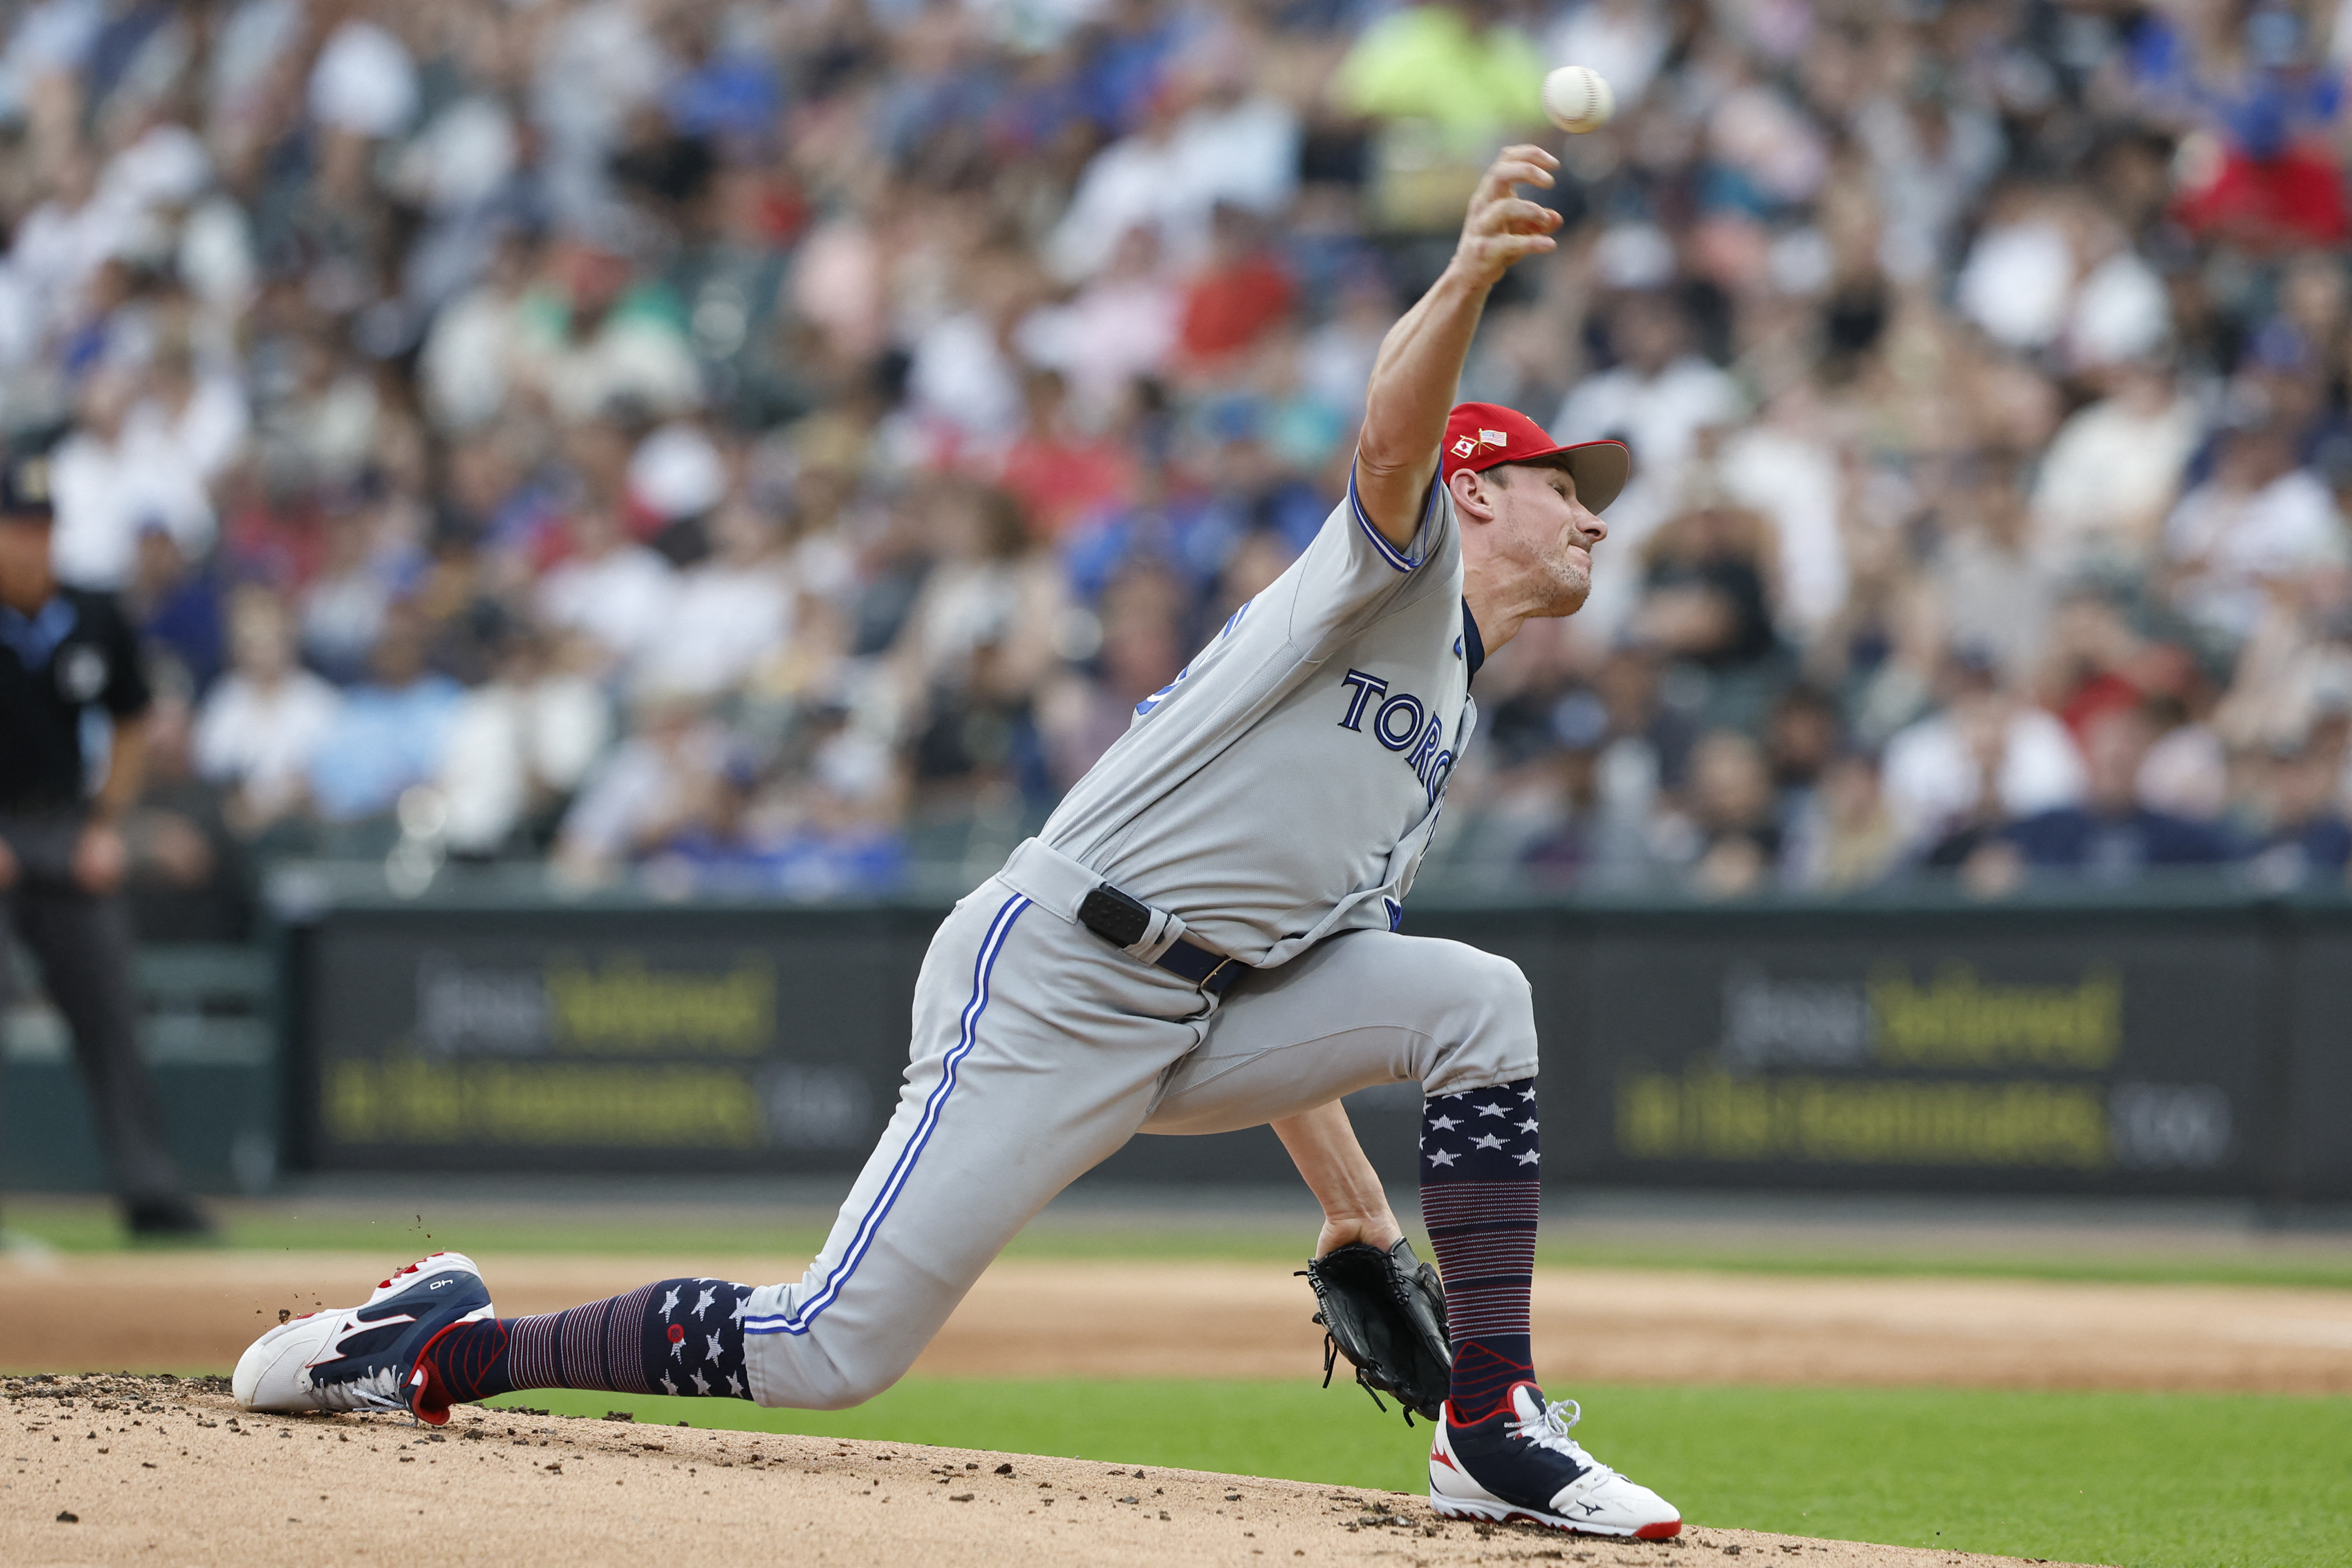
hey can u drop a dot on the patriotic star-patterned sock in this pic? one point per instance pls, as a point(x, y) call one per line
point(1479, 1198)
point(674, 1336)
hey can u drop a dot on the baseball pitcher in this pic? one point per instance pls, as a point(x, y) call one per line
point(1203, 937)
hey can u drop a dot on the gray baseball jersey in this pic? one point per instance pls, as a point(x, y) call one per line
point(1277, 798)
point(1285, 785)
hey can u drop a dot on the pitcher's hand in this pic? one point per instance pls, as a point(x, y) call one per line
point(1379, 1230)
point(1503, 227)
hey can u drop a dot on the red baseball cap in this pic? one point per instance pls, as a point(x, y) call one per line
point(1481, 435)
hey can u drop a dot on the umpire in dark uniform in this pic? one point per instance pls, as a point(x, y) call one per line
point(67, 657)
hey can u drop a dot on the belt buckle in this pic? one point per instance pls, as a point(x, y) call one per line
point(1209, 981)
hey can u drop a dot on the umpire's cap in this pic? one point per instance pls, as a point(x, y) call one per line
point(1480, 435)
point(24, 480)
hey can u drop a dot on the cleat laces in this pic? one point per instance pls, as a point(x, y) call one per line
point(379, 1389)
point(1547, 1430)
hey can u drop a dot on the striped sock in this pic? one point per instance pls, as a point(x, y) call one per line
point(1479, 1198)
point(675, 1336)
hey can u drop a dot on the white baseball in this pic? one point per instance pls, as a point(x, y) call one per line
point(1577, 98)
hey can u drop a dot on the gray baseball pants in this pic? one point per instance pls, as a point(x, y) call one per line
point(1039, 1049)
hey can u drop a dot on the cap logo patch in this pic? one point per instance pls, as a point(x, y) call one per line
point(1493, 438)
point(1466, 447)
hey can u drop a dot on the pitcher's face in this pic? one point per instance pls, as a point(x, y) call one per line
point(1544, 534)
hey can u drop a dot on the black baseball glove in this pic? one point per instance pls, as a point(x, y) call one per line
point(1385, 1311)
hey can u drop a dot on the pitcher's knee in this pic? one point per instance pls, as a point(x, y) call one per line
point(844, 1393)
point(1487, 1032)
point(804, 1377)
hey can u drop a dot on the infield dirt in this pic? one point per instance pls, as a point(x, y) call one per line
point(129, 1469)
point(1058, 1318)
point(164, 1471)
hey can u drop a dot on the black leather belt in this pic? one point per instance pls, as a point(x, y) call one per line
point(1121, 921)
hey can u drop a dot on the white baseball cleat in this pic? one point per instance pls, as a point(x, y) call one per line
point(1520, 1463)
point(365, 1357)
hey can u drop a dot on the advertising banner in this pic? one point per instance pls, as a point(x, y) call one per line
point(1931, 1054)
point(555, 1041)
point(2055, 1051)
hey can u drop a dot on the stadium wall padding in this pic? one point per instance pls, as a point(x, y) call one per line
point(2201, 1047)
point(2196, 1046)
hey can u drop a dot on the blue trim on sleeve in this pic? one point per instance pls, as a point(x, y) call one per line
point(1389, 552)
point(1471, 639)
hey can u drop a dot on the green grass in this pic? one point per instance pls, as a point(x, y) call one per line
point(80, 1224)
point(2330, 1270)
point(2148, 1480)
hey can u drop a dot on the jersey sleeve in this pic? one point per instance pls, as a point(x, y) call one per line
point(1352, 570)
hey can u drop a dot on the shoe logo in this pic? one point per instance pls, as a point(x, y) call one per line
point(1435, 1457)
point(439, 1283)
point(334, 1351)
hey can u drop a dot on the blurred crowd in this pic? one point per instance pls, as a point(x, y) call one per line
point(754, 446)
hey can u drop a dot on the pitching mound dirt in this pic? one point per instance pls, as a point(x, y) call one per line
point(128, 1469)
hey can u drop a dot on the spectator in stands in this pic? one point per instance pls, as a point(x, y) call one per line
point(1804, 735)
point(1234, 300)
point(387, 733)
point(1991, 586)
point(1987, 757)
point(726, 614)
point(1646, 741)
point(1117, 328)
point(1564, 832)
point(615, 593)
point(963, 377)
point(1460, 66)
point(1058, 468)
point(2186, 772)
point(267, 719)
point(1659, 394)
point(976, 645)
point(521, 744)
point(176, 603)
point(1707, 602)
point(117, 476)
point(196, 414)
point(373, 557)
point(2113, 470)
point(652, 787)
point(1137, 645)
point(2261, 518)
point(2111, 837)
point(2093, 660)
point(1738, 830)
point(2304, 837)
point(596, 334)
point(1844, 839)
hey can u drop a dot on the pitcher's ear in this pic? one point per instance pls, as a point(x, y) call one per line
point(1473, 493)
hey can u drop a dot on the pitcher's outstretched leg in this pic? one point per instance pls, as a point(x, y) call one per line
point(428, 1338)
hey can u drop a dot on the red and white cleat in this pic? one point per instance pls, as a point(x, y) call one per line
point(365, 1357)
point(1520, 1463)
